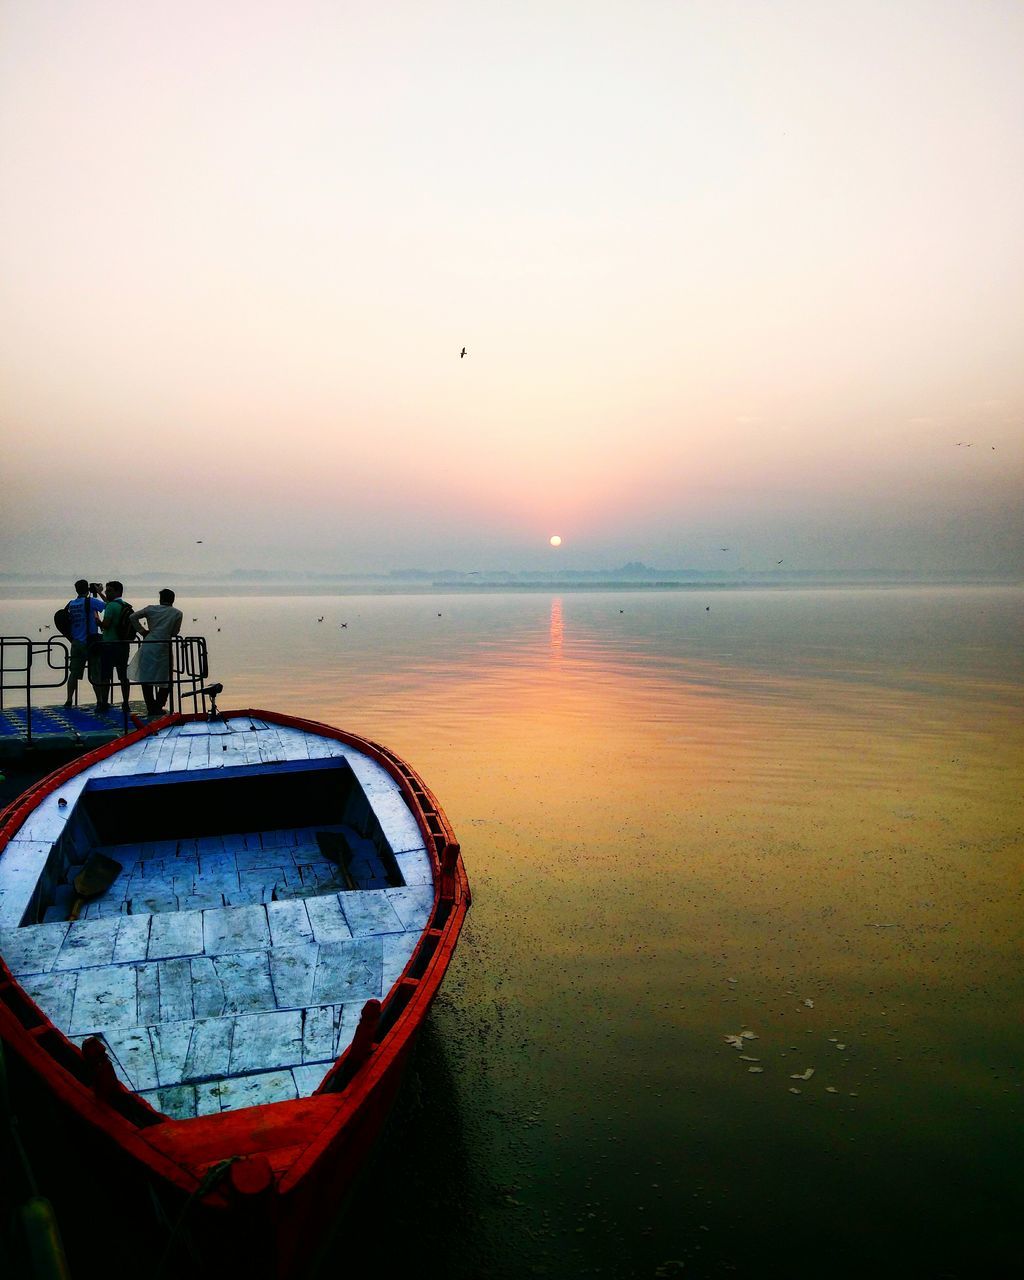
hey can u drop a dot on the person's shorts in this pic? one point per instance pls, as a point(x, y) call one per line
point(114, 657)
point(83, 655)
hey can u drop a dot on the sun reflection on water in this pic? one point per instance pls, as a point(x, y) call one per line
point(557, 626)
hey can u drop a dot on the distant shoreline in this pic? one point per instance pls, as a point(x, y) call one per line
point(146, 585)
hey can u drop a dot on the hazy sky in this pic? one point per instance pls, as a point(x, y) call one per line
point(729, 274)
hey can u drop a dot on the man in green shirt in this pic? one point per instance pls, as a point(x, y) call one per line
point(114, 645)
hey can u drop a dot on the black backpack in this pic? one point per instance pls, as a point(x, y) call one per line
point(124, 628)
point(62, 621)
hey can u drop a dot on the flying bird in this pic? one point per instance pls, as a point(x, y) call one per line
point(778, 562)
point(199, 542)
point(462, 353)
point(724, 548)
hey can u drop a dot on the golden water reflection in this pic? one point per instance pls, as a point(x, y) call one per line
point(759, 813)
point(557, 626)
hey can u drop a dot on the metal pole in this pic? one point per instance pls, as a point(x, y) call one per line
point(28, 694)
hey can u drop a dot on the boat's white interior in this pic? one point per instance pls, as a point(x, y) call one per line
point(228, 967)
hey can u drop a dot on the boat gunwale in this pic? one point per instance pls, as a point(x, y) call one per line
point(162, 1142)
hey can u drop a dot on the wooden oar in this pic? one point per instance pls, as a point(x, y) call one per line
point(96, 877)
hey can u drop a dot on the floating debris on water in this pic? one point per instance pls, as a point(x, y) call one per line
point(737, 1041)
point(809, 1003)
point(840, 1046)
point(831, 1089)
point(792, 1090)
point(755, 1070)
point(806, 1075)
point(745, 1057)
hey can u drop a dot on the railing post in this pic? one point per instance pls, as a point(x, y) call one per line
point(28, 694)
point(172, 673)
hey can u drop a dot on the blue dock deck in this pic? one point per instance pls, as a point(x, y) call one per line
point(58, 728)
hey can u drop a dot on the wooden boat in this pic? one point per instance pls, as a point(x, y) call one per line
point(226, 1025)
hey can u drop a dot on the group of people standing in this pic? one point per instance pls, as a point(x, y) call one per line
point(102, 625)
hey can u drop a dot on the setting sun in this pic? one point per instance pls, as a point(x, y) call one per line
point(555, 540)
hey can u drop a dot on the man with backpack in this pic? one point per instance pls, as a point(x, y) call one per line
point(79, 621)
point(118, 630)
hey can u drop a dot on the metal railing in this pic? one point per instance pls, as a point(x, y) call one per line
point(28, 666)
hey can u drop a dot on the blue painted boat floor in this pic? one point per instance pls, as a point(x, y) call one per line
point(226, 971)
point(188, 875)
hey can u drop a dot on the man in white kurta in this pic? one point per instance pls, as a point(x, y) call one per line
point(151, 666)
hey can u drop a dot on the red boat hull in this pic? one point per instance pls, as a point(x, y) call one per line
point(256, 1184)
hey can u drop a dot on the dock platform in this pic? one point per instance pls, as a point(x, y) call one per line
point(58, 728)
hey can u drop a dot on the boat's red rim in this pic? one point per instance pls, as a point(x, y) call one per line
point(181, 1150)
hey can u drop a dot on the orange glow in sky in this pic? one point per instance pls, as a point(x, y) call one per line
point(720, 286)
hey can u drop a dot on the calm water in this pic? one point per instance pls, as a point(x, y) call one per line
point(797, 815)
